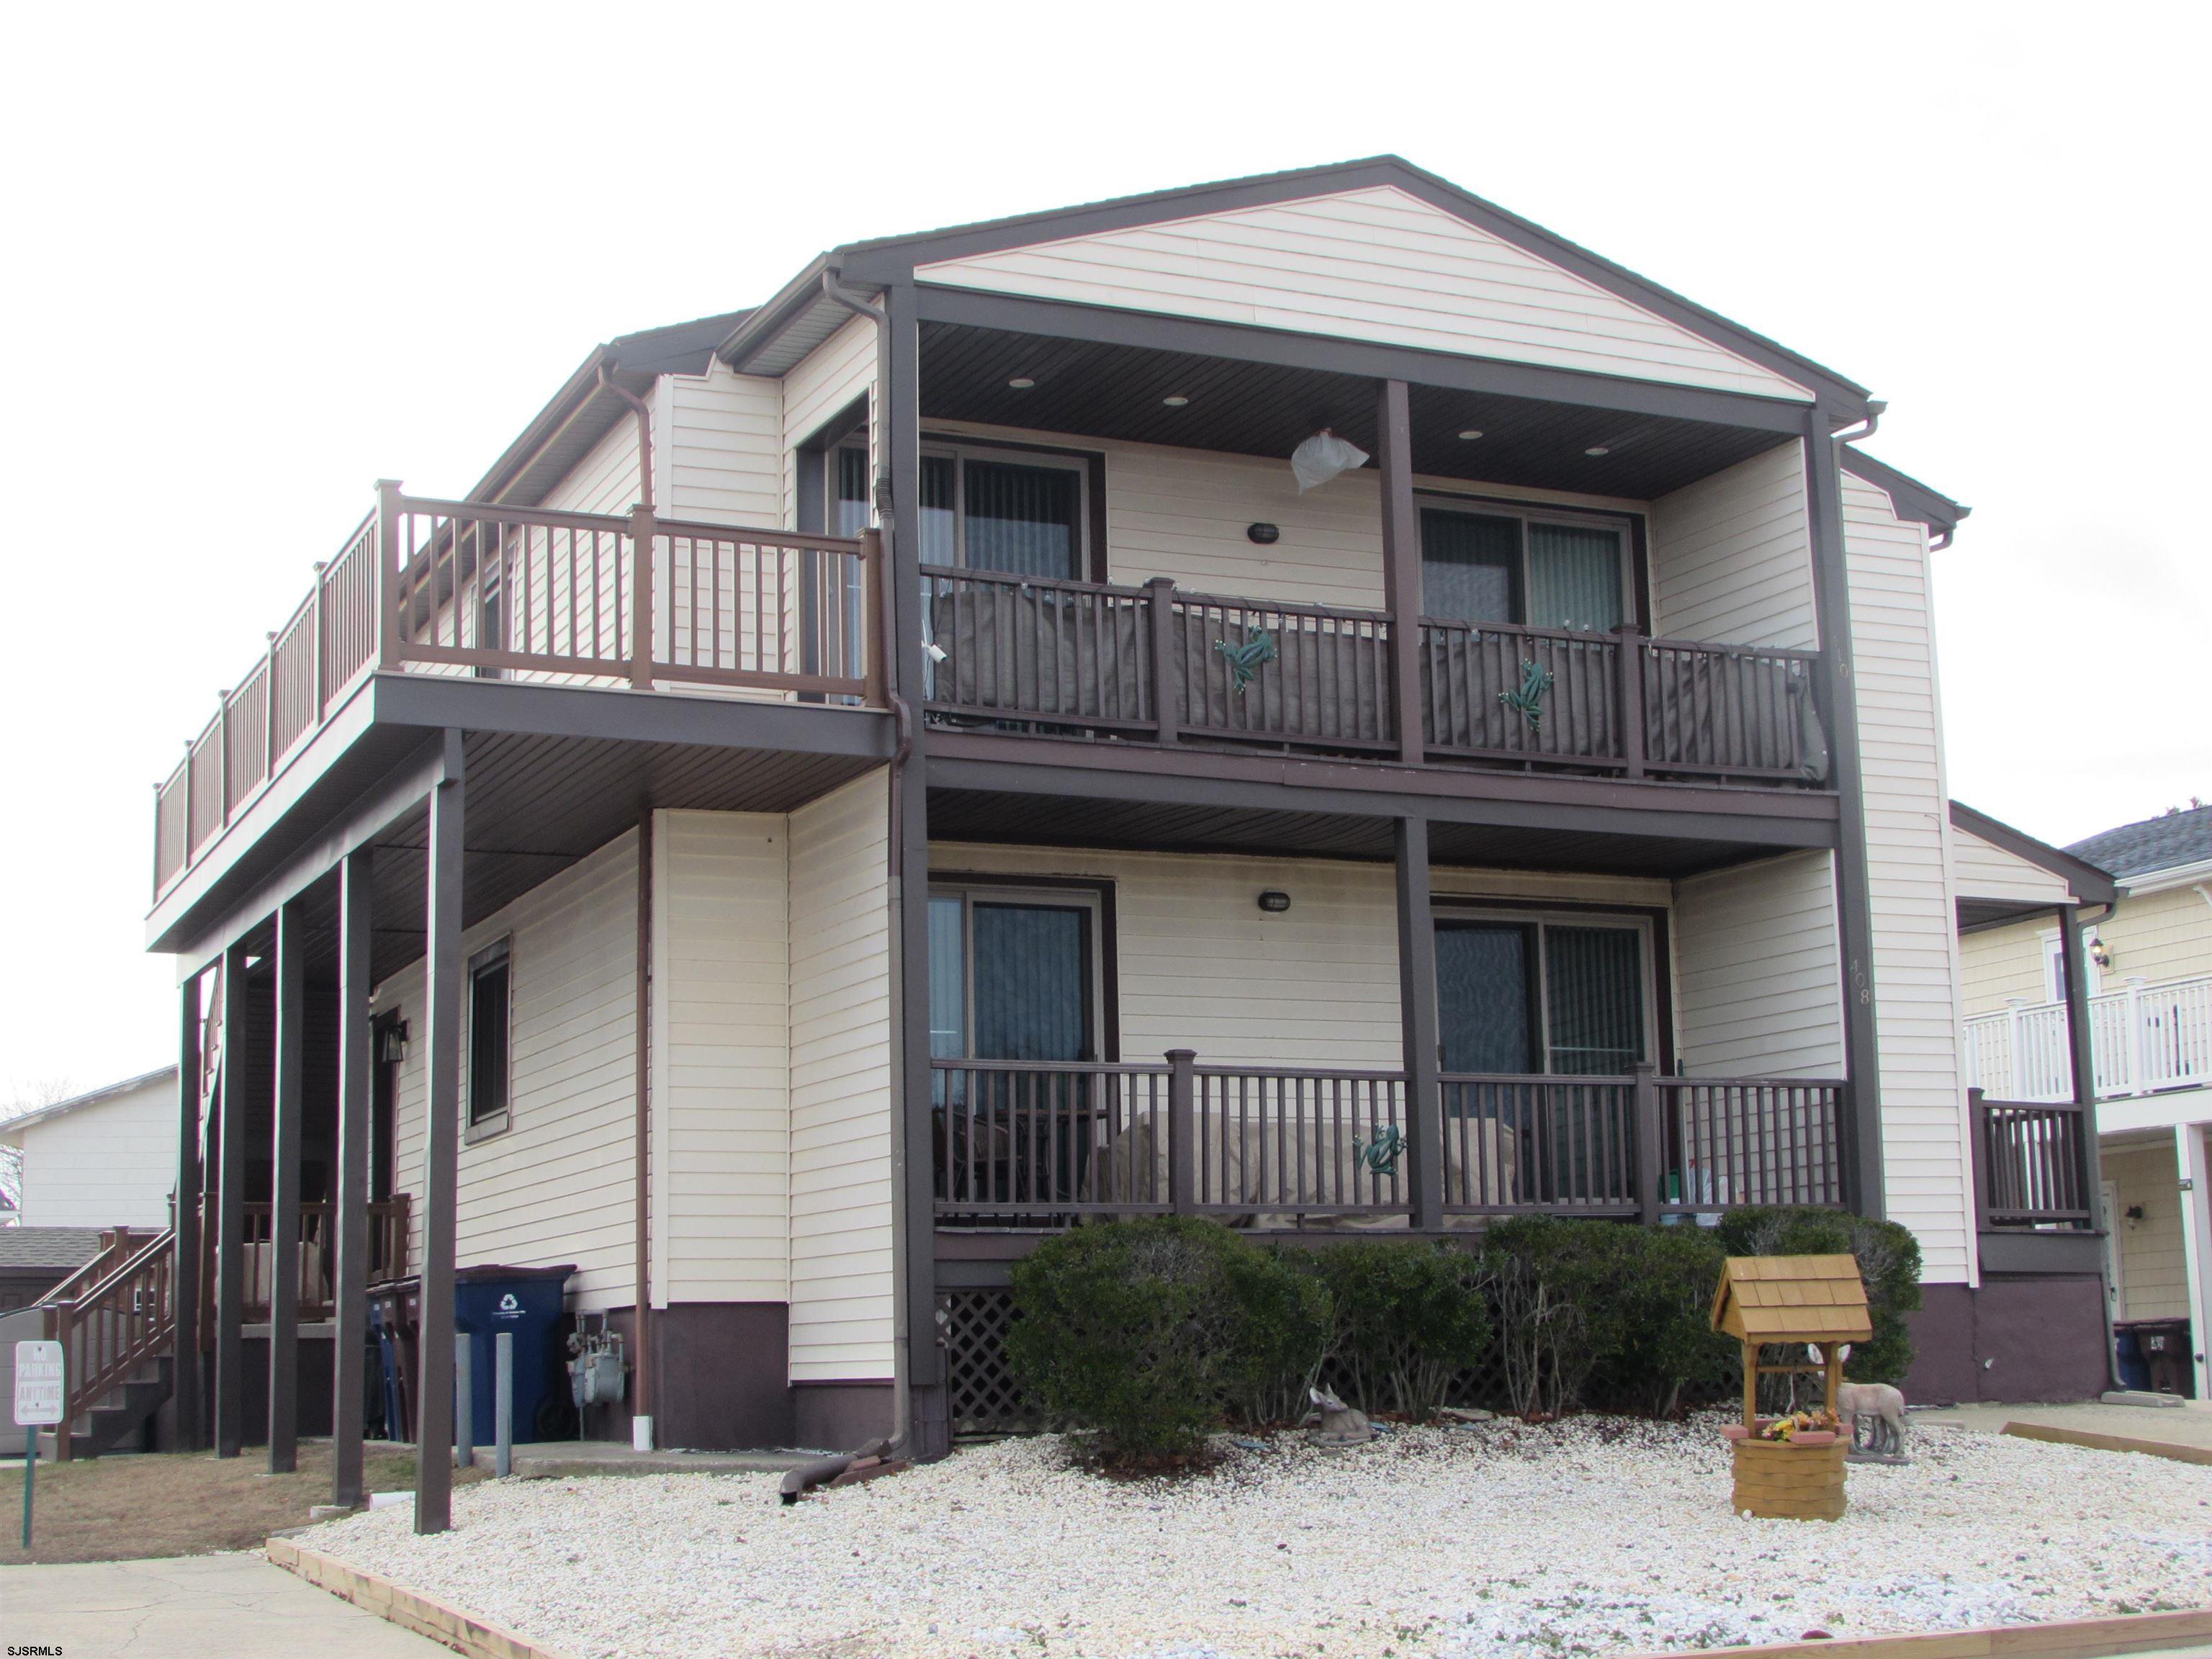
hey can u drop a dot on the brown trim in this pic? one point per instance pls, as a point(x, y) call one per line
point(1109, 961)
point(641, 1195)
point(185, 1214)
point(1908, 498)
point(2090, 885)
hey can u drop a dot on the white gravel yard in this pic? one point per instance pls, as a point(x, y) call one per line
point(1595, 1536)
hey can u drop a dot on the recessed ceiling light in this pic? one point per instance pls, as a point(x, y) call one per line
point(1471, 434)
point(1175, 400)
point(1021, 383)
point(1599, 449)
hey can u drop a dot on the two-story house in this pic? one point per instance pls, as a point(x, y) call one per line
point(2147, 959)
point(1310, 700)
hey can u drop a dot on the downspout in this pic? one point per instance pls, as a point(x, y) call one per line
point(901, 1350)
point(1874, 408)
point(644, 412)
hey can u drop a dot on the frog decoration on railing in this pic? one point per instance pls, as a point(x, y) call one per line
point(1529, 700)
point(1380, 1156)
point(1244, 660)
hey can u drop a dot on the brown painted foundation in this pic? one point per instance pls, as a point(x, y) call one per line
point(2016, 1339)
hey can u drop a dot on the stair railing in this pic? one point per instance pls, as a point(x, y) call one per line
point(110, 1330)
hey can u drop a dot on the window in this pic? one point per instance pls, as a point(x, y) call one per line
point(2054, 968)
point(1540, 571)
point(1520, 997)
point(490, 1014)
point(983, 509)
point(1013, 975)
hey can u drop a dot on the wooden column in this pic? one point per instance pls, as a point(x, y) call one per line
point(1417, 1003)
point(230, 1210)
point(284, 1195)
point(434, 1394)
point(898, 410)
point(1402, 567)
point(350, 1208)
point(184, 1275)
point(2082, 1055)
point(644, 1378)
point(1837, 700)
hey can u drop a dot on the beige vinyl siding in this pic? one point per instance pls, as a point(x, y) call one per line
point(719, 444)
point(2157, 936)
point(1758, 990)
point(2153, 1264)
point(1915, 929)
point(556, 1187)
point(841, 1118)
point(1983, 871)
point(1371, 264)
point(1201, 966)
point(606, 480)
point(840, 369)
point(1732, 556)
point(722, 1126)
point(110, 1164)
point(2000, 963)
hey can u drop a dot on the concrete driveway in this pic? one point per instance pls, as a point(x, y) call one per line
point(195, 1606)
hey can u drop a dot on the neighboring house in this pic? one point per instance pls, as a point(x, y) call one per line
point(103, 1159)
point(2147, 957)
point(867, 782)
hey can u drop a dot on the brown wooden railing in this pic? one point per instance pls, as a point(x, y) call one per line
point(472, 587)
point(318, 1259)
point(2030, 1164)
point(1154, 662)
point(1031, 1143)
point(111, 1327)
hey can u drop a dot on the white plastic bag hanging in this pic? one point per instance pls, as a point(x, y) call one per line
point(1321, 457)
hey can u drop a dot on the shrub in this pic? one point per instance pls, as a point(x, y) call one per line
point(1555, 1318)
point(1144, 1329)
point(1658, 1332)
point(1408, 1316)
point(1889, 1261)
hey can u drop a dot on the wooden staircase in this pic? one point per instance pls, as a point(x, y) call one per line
point(116, 1319)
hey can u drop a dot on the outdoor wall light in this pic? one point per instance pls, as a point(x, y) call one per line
point(2100, 954)
point(1021, 383)
point(1265, 534)
point(2134, 1213)
point(1470, 434)
point(1175, 400)
point(1273, 902)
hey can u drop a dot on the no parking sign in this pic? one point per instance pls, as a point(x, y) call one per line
point(38, 1405)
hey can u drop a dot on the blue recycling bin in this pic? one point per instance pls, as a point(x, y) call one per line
point(526, 1301)
point(2127, 1349)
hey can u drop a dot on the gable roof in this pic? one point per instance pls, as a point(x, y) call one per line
point(2091, 883)
point(2168, 841)
point(1912, 498)
point(802, 308)
point(1792, 1298)
point(91, 1098)
point(48, 1247)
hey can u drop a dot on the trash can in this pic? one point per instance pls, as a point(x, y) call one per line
point(526, 1301)
point(395, 1318)
point(2167, 1355)
point(2128, 1354)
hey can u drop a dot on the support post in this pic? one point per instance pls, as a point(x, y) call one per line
point(385, 590)
point(1417, 1005)
point(502, 1403)
point(875, 638)
point(2081, 1056)
point(1183, 1137)
point(643, 1371)
point(230, 1211)
point(1648, 1139)
point(1978, 1156)
point(643, 529)
point(2194, 1173)
point(284, 1195)
point(1161, 606)
point(433, 1411)
point(355, 1082)
point(1632, 733)
point(1836, 698)
point(184, 1273)
point(1401, 566)
point(919, 1356)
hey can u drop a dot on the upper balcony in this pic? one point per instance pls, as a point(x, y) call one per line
point(2145, 1038)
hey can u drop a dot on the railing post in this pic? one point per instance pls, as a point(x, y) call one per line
point(1631, 701)
point(1977, 1154)
point(1162, 603)
point(1183, 1139)
point(642, 530)
point(1401, 566)
point(317, 653)
point(2015, 1059)
point(2133, 1069)
point(223, 754)
point(384, 588)
point(1648, 1136)
point(269, 713)
point(875, 641)
point(59, 1322)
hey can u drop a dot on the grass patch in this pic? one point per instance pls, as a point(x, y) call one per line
point(121, 1508)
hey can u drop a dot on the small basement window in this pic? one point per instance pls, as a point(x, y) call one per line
point(491, 1021)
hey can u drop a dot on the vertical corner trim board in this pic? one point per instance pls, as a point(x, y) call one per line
point(1928, 1185)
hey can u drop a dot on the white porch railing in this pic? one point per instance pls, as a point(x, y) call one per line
point(2142, 1037)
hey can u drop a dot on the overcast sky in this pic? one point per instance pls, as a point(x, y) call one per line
point(257, 259)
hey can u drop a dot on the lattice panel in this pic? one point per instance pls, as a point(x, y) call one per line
point(981, 1394)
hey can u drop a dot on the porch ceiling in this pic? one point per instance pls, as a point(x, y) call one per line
point(1090, 389)
point(961, 815)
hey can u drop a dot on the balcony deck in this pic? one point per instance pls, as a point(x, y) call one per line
point(2146, 1039)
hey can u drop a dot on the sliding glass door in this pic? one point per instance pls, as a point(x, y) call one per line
point(1536, 570)
point(1558, 997)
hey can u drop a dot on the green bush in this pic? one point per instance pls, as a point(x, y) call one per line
point(1658, 1334)
point(1146, 1329)
point(1550, 1282)
point(1408, 1316)
point(1889, 1261)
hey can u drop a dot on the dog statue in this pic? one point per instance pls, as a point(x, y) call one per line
point(1340, 1424)
point(1878, 1405)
